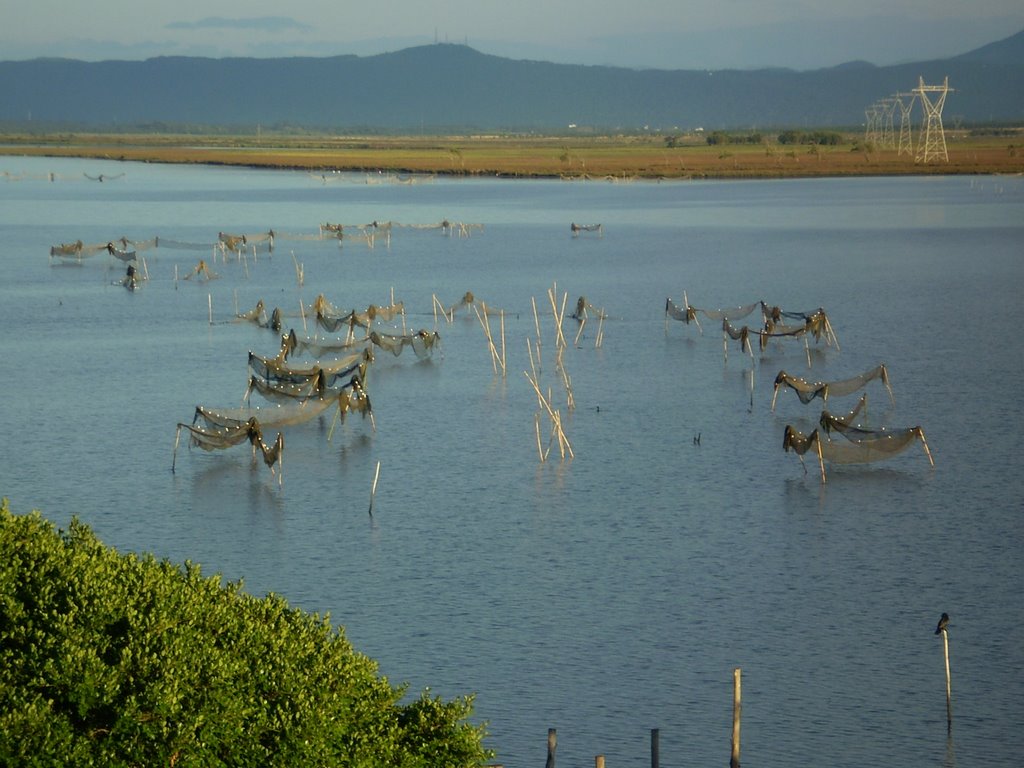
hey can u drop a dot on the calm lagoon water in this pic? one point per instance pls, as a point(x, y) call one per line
point(604, 595)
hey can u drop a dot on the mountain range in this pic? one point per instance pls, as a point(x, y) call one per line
point(452, 88)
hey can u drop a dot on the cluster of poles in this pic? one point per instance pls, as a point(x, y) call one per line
point(737, 710)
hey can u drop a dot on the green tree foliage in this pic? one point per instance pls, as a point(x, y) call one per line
point(815, 138)
point(108, 659)
point(722, 137)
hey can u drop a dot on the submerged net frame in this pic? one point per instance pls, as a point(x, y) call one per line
point(808, 391)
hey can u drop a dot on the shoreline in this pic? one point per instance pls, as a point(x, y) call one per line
point(620, 158)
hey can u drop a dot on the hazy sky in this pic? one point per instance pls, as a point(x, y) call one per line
point(667, 34)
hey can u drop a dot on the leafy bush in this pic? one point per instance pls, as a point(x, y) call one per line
point(814, 138)
point(108, 659)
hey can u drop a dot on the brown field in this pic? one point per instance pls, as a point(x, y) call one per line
point(620, 157)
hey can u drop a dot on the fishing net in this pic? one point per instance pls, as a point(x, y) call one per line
point(353, 399)
point(585, 309)
point(858, 446)
point(276, 381)
point(422, 342)
point(775, 322)
point(576, 229)
point(332, 318)
point(218, 438)
point(293, 345)
point(336, 373)
point(808, 391)
point(202, 272)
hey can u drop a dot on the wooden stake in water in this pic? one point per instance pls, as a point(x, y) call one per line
point(503, 359)
point(941, 630)
point(552, 746)
point(373, 491)
point(734, 761)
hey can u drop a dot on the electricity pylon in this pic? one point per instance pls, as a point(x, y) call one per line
point(871, 134)
point(906, 132)
point(934, 143)
point(886, 108)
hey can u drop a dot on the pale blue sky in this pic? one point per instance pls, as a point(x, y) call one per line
point(667, 34)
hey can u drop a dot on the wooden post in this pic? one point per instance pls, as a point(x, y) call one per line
point(373, 491)
point(949, 689)
point(598, 761)
point(734, 761)
point(655, 748)
point(552, 745)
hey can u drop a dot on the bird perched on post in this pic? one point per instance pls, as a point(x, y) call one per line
point(943, 623)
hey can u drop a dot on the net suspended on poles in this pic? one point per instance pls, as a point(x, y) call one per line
point(689, 314)
point(584, 309)
point(202, 272)
point(278, 383)
point(858, 446)
point(336, 372)
point(775, 322)
point(218, 438)
point(123, 245)
point(808, 391)
point(422, 342)
point(293, 345)
point(258, 316)
point(332, 318)
point(576, 229)
point(352, 399)
point(470, 303)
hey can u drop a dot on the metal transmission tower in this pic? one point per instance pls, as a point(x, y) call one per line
point(871, 135)
point(934, 143)
point(886, 109)
point(906, 138)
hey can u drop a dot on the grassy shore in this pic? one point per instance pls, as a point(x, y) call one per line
point(619, 157)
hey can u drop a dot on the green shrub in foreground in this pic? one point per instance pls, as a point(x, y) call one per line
point(108, 659)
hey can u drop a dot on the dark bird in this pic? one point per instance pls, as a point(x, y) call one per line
point(943, 623)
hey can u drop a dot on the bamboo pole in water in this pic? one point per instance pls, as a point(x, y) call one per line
point(487, 334)
point(949, 687)
point(536, 319)
point(504, 359)
point(373, 490)
point(734, 760)
point(552, 746)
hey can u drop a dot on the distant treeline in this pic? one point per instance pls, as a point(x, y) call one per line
point(820, 138)
point(816, 137)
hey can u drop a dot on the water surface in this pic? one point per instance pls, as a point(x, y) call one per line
point(604, 595)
